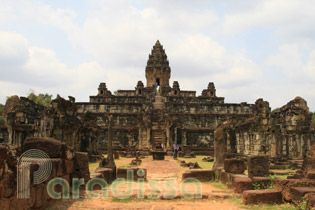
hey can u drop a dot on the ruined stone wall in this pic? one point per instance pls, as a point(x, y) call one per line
point(60, 122)
point(284, 133)
point(295, 124)
point(20, 114)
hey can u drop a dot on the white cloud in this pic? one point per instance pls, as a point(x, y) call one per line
point(289, 19)
point(118, 37)
point(40, 70)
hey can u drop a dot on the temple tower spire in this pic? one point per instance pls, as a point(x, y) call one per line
point(158, 69)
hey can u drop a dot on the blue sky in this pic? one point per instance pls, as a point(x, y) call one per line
point(249, 49)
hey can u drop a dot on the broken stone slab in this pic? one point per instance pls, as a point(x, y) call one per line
point(297, 193)
point(262, 196)
point(258, 165)
point(242, 184)
point(137, 173)
point(285, 186)
point(203, 175)
point(235, 166)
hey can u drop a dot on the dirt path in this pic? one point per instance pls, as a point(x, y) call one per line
point(161, 169)
point(214, 198)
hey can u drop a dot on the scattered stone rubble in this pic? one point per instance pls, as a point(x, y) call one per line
point(66, 164)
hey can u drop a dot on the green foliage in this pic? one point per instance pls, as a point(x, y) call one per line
point(256, 186)
point(275, 110)
point(302, 205)
point(271, 177)
point(41, 99)
point(313, 118)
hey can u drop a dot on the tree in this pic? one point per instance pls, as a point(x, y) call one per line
point(275, 110)
point(41, 99)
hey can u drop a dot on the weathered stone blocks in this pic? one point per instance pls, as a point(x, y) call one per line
point(81, 166)
point(203, 175)
point(285, 186)
point(258, 165)
point(262, 196)
point(137, 173)
point(107, 174)
point(242, 184)
point(52, 147)
point(235, 166)
point(297, 193)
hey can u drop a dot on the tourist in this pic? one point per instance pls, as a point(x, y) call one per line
point(175, 150)
point(157, 88)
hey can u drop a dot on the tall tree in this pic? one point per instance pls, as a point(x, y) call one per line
point(41, 99)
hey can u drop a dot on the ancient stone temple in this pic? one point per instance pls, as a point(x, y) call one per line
point(158, 114)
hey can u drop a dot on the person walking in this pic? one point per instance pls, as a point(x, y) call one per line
point(175, 150)
point(157, 88)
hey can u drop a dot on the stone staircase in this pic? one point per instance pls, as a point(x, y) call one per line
point(157, 121)
point(158, 102)
point(157, 138)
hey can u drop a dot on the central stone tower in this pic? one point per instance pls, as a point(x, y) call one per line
point(158, 70)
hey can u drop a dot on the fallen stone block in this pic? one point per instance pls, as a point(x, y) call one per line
point(258, 165)
point(235, 166)
point(285, 185)
point(242, 184)
point(203, 175)
point(122, 172)
point(297, 193)
point(107, 174)
point(262, 196)
point(81, 166)
point(234, 176)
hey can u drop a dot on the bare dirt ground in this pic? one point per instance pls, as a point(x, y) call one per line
point(213, 198)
